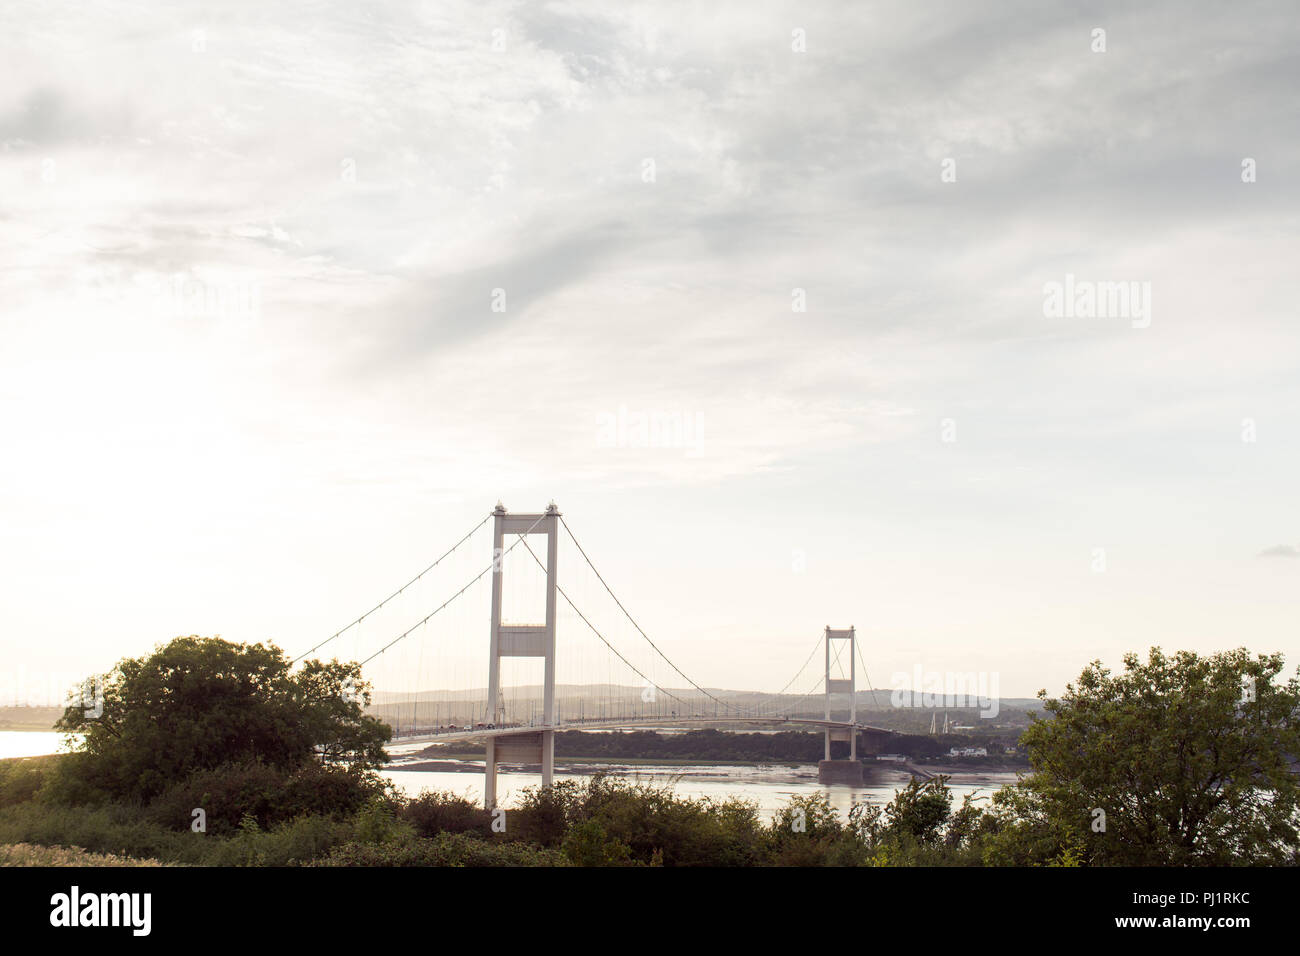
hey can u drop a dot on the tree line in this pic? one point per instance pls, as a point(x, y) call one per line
point(1179, 759)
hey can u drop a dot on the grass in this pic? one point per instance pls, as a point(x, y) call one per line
point(27, 854)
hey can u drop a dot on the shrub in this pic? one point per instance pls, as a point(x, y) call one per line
point(377, 823)
point(20, 780)
point(446, 849)
point(110, 829)
point(204, 703)
point(435, 812)
point(589, 845)
point(545, 815)
point(651, 823)
point(267, 794)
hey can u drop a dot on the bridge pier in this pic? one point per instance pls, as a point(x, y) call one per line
point(536, 748)
point(844, 772)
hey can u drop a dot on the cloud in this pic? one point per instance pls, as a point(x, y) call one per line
point(520, 168)
point(45, 118)
point(1280, 551)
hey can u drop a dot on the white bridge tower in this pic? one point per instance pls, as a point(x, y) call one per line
point(841, 771)
point(522, 640)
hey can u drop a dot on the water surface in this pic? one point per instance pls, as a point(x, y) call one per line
point(769, 785)
point(30, 743)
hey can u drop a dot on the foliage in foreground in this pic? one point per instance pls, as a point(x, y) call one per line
point(1181, 760)
point(199, 704)
point(25, 854)
point(1178, 761)
point(445, 849)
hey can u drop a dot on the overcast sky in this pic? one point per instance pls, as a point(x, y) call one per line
point(292, 294)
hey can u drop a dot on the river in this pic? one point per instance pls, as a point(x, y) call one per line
point(769, 785)
point(30, 743)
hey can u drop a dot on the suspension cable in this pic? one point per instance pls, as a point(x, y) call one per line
point(422, 621)
point(806, 694)
point(638, 626)
point(777, 696)
point(595, 631)
point(393, 595)
point(858, 656)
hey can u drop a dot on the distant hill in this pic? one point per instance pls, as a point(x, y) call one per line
point(29, 718)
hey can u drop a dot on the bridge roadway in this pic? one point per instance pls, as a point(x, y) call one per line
point(484, 733)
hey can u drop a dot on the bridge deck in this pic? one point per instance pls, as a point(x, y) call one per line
point(485, 733)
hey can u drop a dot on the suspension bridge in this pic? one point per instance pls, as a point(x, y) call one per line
point(547, 666)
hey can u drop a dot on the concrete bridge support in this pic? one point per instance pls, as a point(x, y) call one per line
point(841, 771)
point(844, 772)
point(522, 640)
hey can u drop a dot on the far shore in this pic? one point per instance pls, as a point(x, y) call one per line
point(28, 727)
point(473, 763)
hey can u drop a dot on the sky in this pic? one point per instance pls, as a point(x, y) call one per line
point(292, 294)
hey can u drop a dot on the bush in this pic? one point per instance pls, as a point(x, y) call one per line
point(20, 780)
point(651, 823)
point(121, 831)
point(109, 829)
point(446, 849)
point(377, 823)
point(318, 788)
point(435, 812)
point(71, 781)
point(266, 794)
point(544, 816)
point(291, 843)
point(204, 703)
point(808, 832)
point(589, 845)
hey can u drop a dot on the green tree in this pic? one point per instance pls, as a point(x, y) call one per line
point(1180, 760)
point(920, 810)
point(807, 831)
point(201, 703)
point(588, 844)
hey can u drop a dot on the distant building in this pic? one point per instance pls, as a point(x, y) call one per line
point(968, 752)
